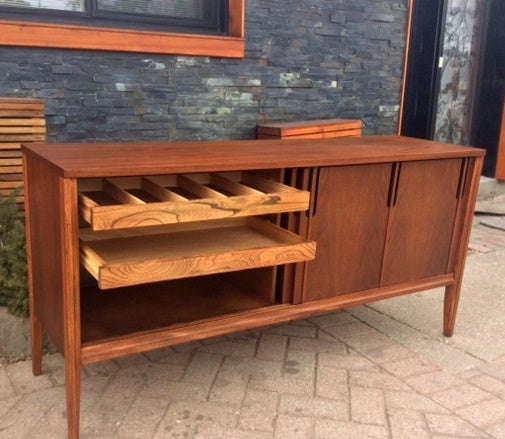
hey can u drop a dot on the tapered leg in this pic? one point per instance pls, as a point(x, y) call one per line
point(73, 388)
point(36, 344)
point(451, 301)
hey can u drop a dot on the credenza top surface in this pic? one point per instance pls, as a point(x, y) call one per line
point(81, 160)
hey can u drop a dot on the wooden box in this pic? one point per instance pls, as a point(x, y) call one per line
point(311, 129)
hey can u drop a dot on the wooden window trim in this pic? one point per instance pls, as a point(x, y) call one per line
point(50, 35)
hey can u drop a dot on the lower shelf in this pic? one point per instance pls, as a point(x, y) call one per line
point(133, 310)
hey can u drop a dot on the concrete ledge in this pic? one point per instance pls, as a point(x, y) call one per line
point(491, 197)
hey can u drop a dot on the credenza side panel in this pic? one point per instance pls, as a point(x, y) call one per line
point(45, 248)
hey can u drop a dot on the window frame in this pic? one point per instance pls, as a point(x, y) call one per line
point(70, 36)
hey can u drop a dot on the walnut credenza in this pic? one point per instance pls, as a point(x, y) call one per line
point(138, 246)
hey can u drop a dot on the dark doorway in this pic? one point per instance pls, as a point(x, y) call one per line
point(422, 80)
point(490, 84)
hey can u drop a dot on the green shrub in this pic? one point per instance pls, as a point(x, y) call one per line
point(13, 274)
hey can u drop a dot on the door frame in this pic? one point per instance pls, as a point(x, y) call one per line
point(435, 69)
point(500, 156)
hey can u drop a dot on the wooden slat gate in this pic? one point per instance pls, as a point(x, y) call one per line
point(21, 121)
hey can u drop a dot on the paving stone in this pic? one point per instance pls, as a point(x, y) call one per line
point(337, 318)
point(412, 400)
point(26, 414)
point(292, 330)
point(498, 430)
point(310, 407)
point(170, 356)
point(289, 384)
point(52, 425)
point(433, 382)
point(367, 406)
point(378, 380)
point(351, 361)
point(485, 413)
point(451, 425)
point(203, 368)
point(6, 404)
point(300, 364)
point(23, 380)
point(54, 366)
point(92, 389)
point(327, 429)
point(461, 396)
point(254, 366)
point(407, 424)
point(317, 345)
point(272, 347)
point(103, 368)
point(120, 393)
point(293, 427)
point(249, 337)
point(229, 388)
point(258, 410)
point(142, 418)
point(409, 367)
point(131, 360)
point(99, 424)
point(185, 419)
point(175, 390)
point(332, 383)
point(385, 352)
point(212, 431)
point(229, 348)
point(489, 384)
point(6, 387)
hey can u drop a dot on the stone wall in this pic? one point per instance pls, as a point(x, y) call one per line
point(305, 59)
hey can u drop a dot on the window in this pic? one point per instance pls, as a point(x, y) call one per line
point(206, 16)
point(195, 27)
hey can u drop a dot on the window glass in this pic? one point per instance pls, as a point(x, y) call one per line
point(161, 8)
point(59, 5)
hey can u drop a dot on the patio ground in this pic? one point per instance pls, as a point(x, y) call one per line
point(377, 371)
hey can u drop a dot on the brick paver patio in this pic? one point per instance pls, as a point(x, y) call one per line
point(359, 373)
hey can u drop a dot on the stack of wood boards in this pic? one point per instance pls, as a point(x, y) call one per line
point(311, 129)
point(21, 121)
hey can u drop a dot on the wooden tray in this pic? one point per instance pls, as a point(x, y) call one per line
point(117, 203)
point(129, 257)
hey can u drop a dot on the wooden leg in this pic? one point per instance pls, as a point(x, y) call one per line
point(36, 344)
point(451, 301)
point(73, 388)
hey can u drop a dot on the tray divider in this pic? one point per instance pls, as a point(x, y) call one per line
point(265, 185)
point(228, 184)
point(191, 184)
point(119, 193)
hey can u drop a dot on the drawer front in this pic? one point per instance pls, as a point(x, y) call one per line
point(118, 203)
point(120, 258)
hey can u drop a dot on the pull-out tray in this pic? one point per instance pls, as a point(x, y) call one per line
point(128, 257)
point(117, 203)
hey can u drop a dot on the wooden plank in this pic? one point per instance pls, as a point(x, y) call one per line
point(22, 129)
point(10, 161)
point(208, 248)
point(11, 169)
point(22, 137)
point(21, 113)
point(25, 121)
point(10, 146)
